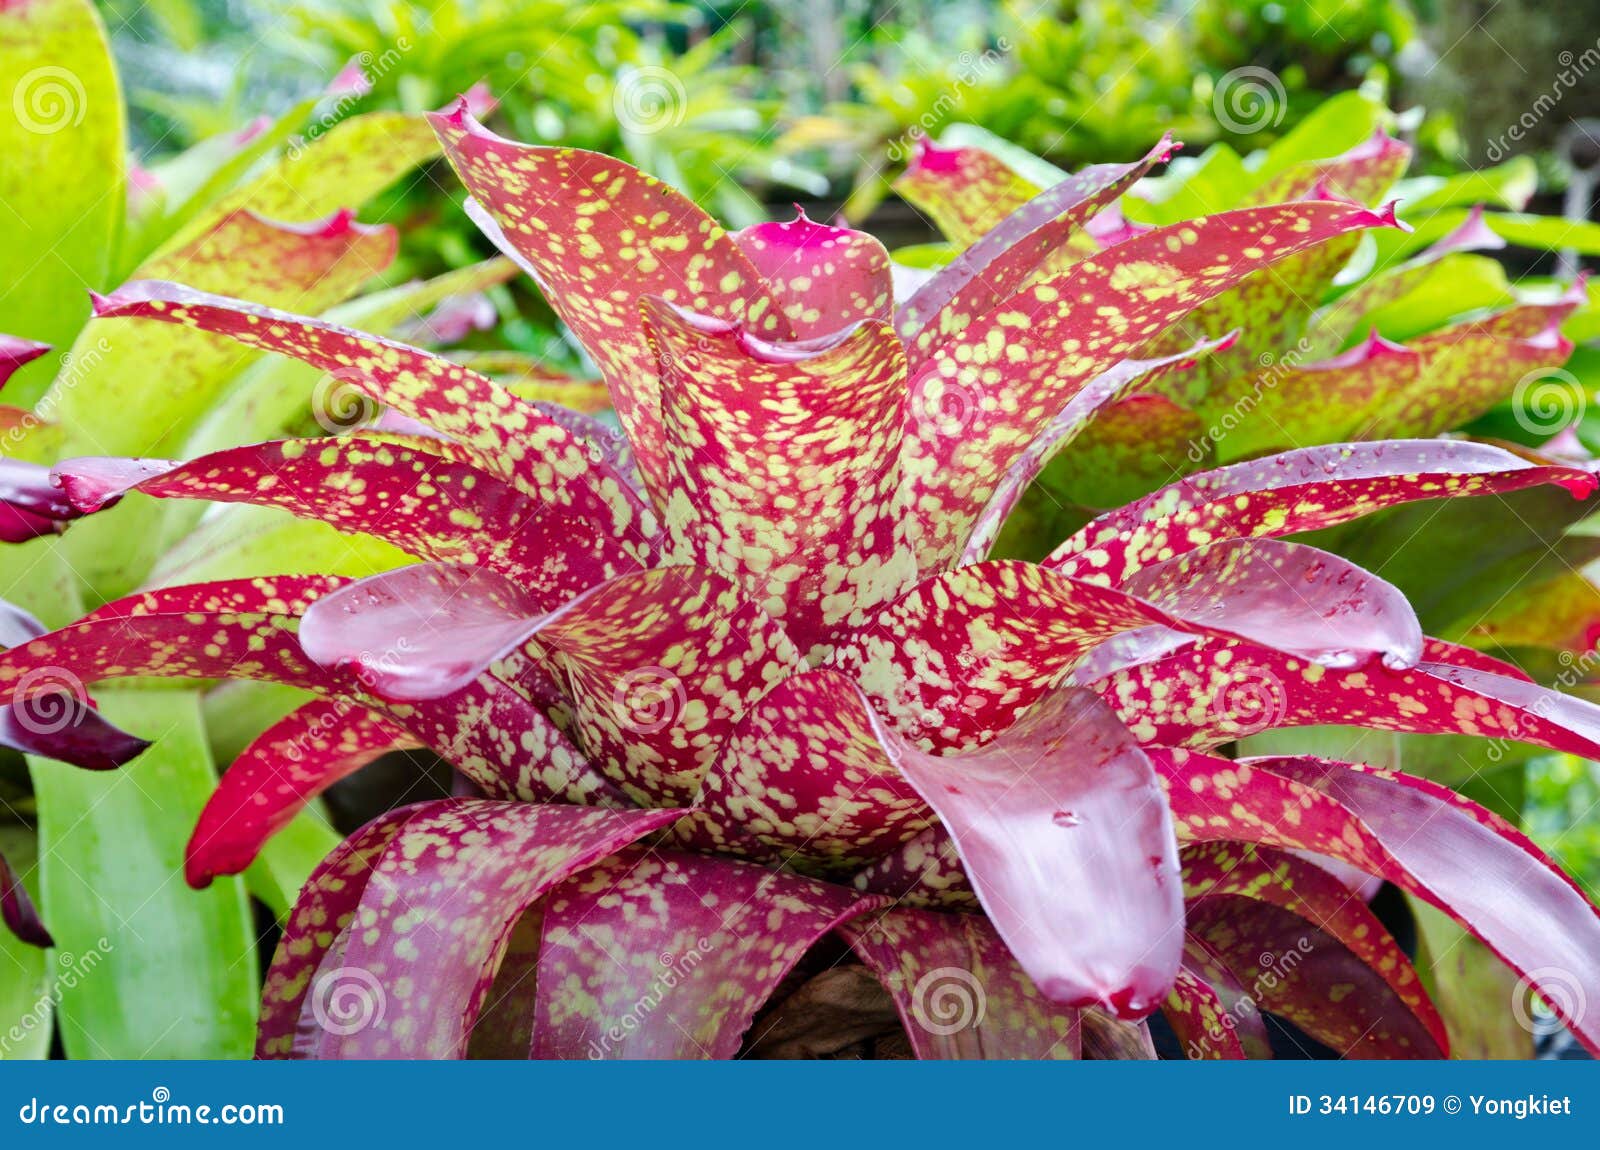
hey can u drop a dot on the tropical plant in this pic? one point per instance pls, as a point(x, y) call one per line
point(753, 683)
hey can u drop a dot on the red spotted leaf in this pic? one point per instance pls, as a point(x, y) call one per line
point(959, 991)
point(1083, 413)
point(509, 437)
point(598, 236)
point(656, 666)
point(1014, 369)
point(432, 955)
point(804, 774)
point(1309, 952)
point(237, 630)
point(1512, 896)
point(705, 941)
point(1014, 251)
point(1217, 691)
point(1297, 491)
point(327, 903)
point(430, 499)
point(1200, 1020)
point(1296, 599)
point(287, 766)
point(784, 466)
point(966, 191)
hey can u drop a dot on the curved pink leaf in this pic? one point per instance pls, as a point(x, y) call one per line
point(1077, 416)
point(508, 436)
point(1017, 249)
point(431, 954)
point(1293, 598)
point(1292, 934)
point(1064, 832)
point(965, 191)
point(420, 632)
point(1217, 691)
point(656, 954)
point(428, 498)
point(1511, 895)
point(17, 911)
point(16, 353)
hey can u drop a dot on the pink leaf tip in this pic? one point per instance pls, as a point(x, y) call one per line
point(91, 483)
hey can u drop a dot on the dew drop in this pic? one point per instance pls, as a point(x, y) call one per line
point(1066, 819)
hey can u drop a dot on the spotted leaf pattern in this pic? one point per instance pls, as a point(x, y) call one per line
point(1297, 491)
point(434, 953)
point(658, 954)
point(599, 236)
point(510, 437)
point(823, 278)
point(784, 466)
point(1017, 366)
point(1301, 942)
point(430, 499)
point(959, 991)
point(1019, 248)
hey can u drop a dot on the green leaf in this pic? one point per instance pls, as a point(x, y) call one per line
point(1338, 124)
point(1472, 989)
point(326, 169)
point(242, 540)
point(289, 857)
point(61, 136)
point(1456, 285)
point(1509, 185)
point(178, 973)
point(1219, 181)
point(27, 973)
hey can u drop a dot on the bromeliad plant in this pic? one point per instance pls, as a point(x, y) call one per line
point(753, 682)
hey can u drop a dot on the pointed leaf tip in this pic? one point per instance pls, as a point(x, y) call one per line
point(92, 483)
